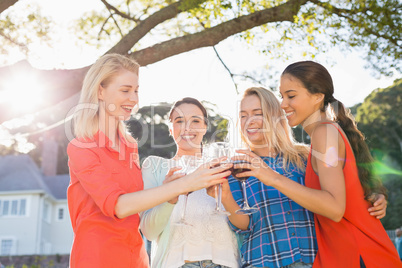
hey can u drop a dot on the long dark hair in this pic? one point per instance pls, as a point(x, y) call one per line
point(316, 79)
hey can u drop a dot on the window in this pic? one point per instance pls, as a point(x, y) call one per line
point(60, 214)
point(46, 211)
point(23, 203)
point(13, 207)
point(6, 247)
point(6, 204)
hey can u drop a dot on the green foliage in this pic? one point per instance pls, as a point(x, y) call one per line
point(149, 127)
point(379, 118)
point(300, 135)
point(393, 219)
point(20, 27)
point(374, 26)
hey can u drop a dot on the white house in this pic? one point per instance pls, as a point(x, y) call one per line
point(34, 215)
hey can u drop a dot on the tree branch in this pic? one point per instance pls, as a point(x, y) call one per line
point(118, 12)
point(117, 25)
point(246, 76)
point(227, 68)
point(102, 27)
point(22, 46)
point(166, 13)
point(4, 4)
point(214, 35)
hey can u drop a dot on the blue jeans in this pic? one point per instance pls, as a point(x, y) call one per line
point(299, 265)
point(293, 265)
point(203, 264)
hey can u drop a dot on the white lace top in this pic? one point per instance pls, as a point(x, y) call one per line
point(208, 238)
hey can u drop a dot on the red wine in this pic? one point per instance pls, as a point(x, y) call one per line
point(236, 171)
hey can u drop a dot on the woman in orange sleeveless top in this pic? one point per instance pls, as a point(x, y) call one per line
point(337, 190)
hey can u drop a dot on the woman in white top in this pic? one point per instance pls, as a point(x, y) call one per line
point(208, 240)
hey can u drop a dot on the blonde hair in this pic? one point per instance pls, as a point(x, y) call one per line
point(102, 72)
point(277, 132)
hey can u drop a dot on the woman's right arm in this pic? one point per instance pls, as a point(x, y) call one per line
point(154, 220)
point(114, 202)
point(132, 203)
point(240, 221)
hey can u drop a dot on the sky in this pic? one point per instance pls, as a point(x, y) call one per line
point(197, 73)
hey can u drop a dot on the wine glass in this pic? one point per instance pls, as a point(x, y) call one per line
point(246, 209)
point(217, 150)
point(189, 164)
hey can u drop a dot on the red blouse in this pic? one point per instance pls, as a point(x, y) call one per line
point(99, 175)
point(340, 244)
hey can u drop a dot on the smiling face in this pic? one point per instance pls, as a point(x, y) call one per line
point(119, 96)
point(188, 128)
point(297, 102)
point(251, 120)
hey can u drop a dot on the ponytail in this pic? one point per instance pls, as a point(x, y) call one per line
point(371, 184)
point(316, 79)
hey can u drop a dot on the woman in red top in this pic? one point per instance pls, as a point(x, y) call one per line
point(106, 188)
point(337, 189)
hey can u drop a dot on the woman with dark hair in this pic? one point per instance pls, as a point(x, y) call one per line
point(339, 181)
point(206, 239)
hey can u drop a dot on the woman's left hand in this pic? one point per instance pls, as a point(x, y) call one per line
point(213, 190)
point(258, 168)
point(379, 208)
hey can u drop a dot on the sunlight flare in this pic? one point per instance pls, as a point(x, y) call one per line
point(21, 92)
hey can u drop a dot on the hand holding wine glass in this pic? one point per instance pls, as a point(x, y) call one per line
point(257, 167)
point(195, 169)
point(211, 191)
point(208, 174)
point(216, 150)
point(241, 171)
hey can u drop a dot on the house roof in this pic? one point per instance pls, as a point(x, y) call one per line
point(58, 185)
point(20, 173)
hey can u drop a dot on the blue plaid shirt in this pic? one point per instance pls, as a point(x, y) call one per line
point(281, 232)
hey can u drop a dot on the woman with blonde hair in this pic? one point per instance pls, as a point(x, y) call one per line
point(106, 192)
point(281, 233)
